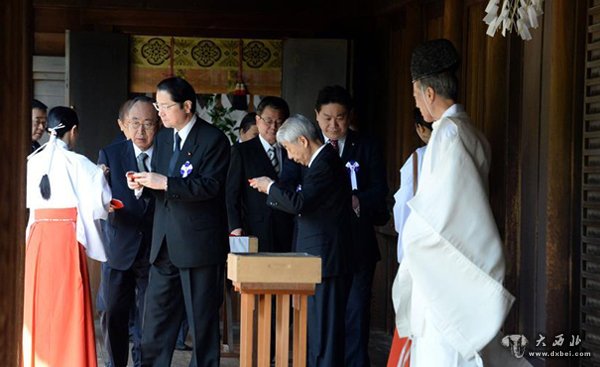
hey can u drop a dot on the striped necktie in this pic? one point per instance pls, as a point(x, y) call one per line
point(273, 157)
point(141, 162)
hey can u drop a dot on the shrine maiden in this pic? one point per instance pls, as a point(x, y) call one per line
point(67, 195)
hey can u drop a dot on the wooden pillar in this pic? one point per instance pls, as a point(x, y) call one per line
point(495, 121)
point(503, 134)
point(556, 148)
point(16, 39)
point(453, 21)
point(557, 206)
point(411, 36)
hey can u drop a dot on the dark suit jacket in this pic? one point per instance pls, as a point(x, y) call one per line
point(190, 215)
point(372, 191)
point(125, 227)
point(324, 210)
point(246, 207)
point(34, 145)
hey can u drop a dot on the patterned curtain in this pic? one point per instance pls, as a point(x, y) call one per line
point(211, 65)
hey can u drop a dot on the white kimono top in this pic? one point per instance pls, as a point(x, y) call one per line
point(75, 182)
point(404, 194)
point(453, 267)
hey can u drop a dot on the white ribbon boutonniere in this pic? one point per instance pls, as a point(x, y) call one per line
point(186, 169)
point(353, 167)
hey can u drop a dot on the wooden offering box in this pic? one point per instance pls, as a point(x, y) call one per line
point(289, 276)
point(278, 268)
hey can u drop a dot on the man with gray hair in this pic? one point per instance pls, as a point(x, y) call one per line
point(448, 293)
point(323, 207)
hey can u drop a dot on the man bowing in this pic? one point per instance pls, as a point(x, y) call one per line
point(323, 208)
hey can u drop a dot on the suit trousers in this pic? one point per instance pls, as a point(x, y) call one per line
point(125, 291)
point(326, 310)
point(358, 317)
point(171, 290)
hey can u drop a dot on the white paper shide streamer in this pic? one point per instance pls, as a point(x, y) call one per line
point(509, 15)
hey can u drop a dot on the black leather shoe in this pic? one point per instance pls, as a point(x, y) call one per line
point(183, 347)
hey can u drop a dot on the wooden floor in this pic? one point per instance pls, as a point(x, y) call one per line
point(378, 351)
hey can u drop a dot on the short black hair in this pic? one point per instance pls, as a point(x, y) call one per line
point(247, 122)
point(39, 105)
point(419, 120)
point(179, 90)
point(276, 103)
point(62, 115)
point(334, 94)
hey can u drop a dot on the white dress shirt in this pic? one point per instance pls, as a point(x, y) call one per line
point(185, 131)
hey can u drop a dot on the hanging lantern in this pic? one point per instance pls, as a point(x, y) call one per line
point(239, 100)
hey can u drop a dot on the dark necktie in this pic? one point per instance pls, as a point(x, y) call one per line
point(141, 162)
point(334, 144)
point(273, 157)
point(175, 156)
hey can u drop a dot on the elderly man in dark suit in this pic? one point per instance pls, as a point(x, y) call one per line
point(189, 240)
point(366, 173)
point(247, 209)
point(128, 233)
point(323, 207)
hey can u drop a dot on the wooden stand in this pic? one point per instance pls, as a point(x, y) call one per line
point(241, 269)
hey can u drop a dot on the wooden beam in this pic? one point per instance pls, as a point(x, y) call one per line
point(274, 23)
point(49, 44)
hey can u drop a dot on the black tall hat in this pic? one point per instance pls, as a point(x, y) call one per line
point(433, 57)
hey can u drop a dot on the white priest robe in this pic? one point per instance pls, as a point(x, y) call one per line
point(75, 182)
point(405, 193)
point(448, 289)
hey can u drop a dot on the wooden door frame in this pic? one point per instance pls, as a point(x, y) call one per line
point(15, 105)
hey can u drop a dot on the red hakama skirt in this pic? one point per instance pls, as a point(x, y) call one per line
point(399, 352)
point(58, 324)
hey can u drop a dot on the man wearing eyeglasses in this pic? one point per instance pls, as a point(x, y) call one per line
point(128, 232)
point(247, 209)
